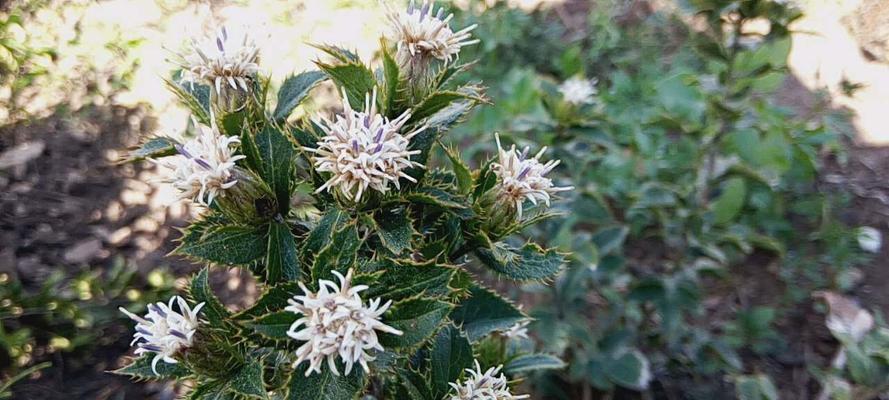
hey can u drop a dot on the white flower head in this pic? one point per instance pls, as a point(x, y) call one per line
point(335, 322)
point(521, 178)
point(204, 166)
point(164, 331)
point(363, 149)
point(486, 385)
point(517, 331)
point(226, 60)
point(870, 239)
point(579, 91)
point(422, 31)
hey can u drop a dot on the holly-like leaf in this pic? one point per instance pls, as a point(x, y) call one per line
point(201, 292)
point(438, 101)
point(274, 299)
point(395, 228)
point(391, 77)
point(401, 280)
point(153, 147)
point(325, 385)
point(449, 355)
point(294, 90)
point(440, 199)
point(228, 244)
point(610, 238)
point(248, 381)
point(417, 318)
point(484, 312)
point(528, 263)
point(339, 53)
point(461, 170)
point(276, 152)
point(356, 78)
point(274, 325)
point(140, 368)
point(533, 362)
point(413, 385)
point(630, 370)
point(755, 387)
point(281, 262)
point(195, 97)
point(320, 236)
point(339, 254)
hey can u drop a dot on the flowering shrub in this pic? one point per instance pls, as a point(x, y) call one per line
point(351, 197)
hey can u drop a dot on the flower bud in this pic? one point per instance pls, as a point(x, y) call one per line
point(250, 201)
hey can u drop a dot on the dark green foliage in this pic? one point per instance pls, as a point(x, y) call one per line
point(293, 91)
point(153, 147)
point(140, 368)
point(485, 312)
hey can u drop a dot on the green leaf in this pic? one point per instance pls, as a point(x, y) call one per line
point(610, 239)
point(195, 97)
point(320, 236)
point(140, 368)
point(282, 262)
point(533, 362)
point(339, 53)
point(436, 102)
point(731, 201)
point(276, 152)
point(294, 90)
point(461, 171)
point(248, 381)
point(325, 385)
point(485, 312)
point(413, 385)
point(250, 151)
point(395, 228)
point(212, 390)
point(339, 255)
point(755, 387)
point(355, 78)
point(153, 147)
point(229, 244)
point(201, 292)
point(274, 325)
point(630, 370)
point(274, 299)
point(531, 262)
point(417, 318)
point(391, 76)
point(438, 198)
point(401, 280)
point(449, 355)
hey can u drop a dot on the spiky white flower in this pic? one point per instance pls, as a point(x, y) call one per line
point(578, 90)
point(335, 322)
point(164, 331)
point(870, 239)
point(364, 149)
point(484, 386)
point(517, 331)
point(421, 32)
point(204, 166)
point(522, 178)
point(226, 60)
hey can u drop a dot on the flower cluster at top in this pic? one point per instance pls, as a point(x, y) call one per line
point(227, 60)
point(422, 32)
point(579, 91)
point(335, 322)
point(522, 178)
point(163, 331)
point(364, 149)
point(204, 165)
point(484, 386)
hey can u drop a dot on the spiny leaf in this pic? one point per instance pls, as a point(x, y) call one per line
point(320, 236)
point(392, 80)
point(140, 368)
point(339, 255)
point(274, 299)
point(276, 152)
point(229, 244)
point(449, 355)
point(195, 97)
point(395, 228)
point(356, 78)
point(417, 318)
point(339, 53)
point(274, 325)
point(533, 362)
point(282, 262)
point(294, 90)
point(401, 280)
point(485, 312)
point(153, 147)
point(531, 262)
point(437, 101)
point(461, 170)
point(248, 381)
point(325, 385)
point(201, 292)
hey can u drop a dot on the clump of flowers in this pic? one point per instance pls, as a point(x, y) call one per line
point(421, 32)
point(226, 60)
point(523, 179)
point(335, 323)
point(204, 166)
point(578, 91)
point(364, 149)
point(486, 385)
point(164, 331)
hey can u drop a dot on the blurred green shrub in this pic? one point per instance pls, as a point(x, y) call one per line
point(691, 181)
